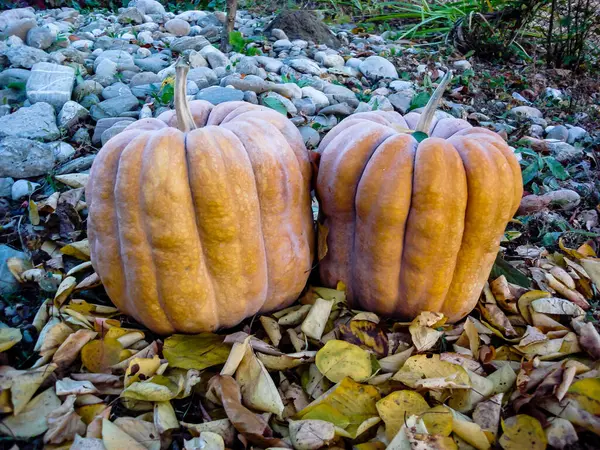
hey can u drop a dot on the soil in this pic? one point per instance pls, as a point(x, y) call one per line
point(304, 25)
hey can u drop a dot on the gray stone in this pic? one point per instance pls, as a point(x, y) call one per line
point(11, 96)
point(61, 150)
point(144, 90)
point(248, 83)
point(305, 65)
point(282, 45)
point(26, 57)
point(305, 106)
point(402, 85)
point(19, 27)
point(340, 94)
point(215, 57)
point(319, 98)
point(339, 109)
point(251, 97)
point(86, 88)
point(559, 132)
point(203, 77)
point(247, 65)
point(525, 112)
point(131, 16)
point(145, 37)
point(154, 64)
point(71, 114)
point(24, 158)
point(14, 75)
point(122, 59)
point(113, 131)
point(289, 106)
point(81, 137)
point(77, 165)
point(50, 83)
point(217, 94)
point(311, 136)
point(40, 37)
point(270, 64)
point(330, 59)
point(376, 67)
point(115, 90)
point(105, 124)
point(35, 122)
point(212, 33)
point(182, 44)
point(6, 186)
point(11, 15)
point(401, 101)
point(462, 65)
point(576, 134)
point(105, 72)
point(8, 283)
point(89, 100)
point(148, 6)
point(196, 59)
point(536, 131)
point(22, 188)
point(114, 107)
point(278, 34)
point(289, 90)
point(177, 27)
point(144, 78)
point(553, 94)
point(564, 152)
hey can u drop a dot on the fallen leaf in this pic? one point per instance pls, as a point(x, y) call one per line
point(114, 438)
point(24, 383)
point(99, 355)
point(141, 369)
point(74, 180)
point(469, 431)
point(553, 305)
point(315, 321)
point(487, 415)
point(69, 350)
point(32, 419)
point(522, 432)
point(420, 367)
point(560, 433)
point(195, 352)
point(81, 443)
point(286, 362)
point(503, 379)
point(159, 388)
point(438, 420)
point(257, 387)
point(272, 329)
point(9, 337)
point(64, 423)
point(164, 417)
point(311, 434)
point(141, 431)
point(206, 441)
point(66, 287)
point(339, 359)
point(222, 427)
point(66, 386)
point(396, 407)
point(394, 363)
point(366, 334)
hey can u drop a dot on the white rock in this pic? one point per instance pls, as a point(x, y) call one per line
point(376, 67)
point(462, 65)
point(178, 27)
point(23, 188)
point(320, 99)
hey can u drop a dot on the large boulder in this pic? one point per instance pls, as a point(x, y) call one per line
point(304, 25)
point(35, 122)
point(50, 83)
point(25, 158)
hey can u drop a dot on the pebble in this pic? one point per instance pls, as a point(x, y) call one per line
point(178, 27)
point(217, 94)
point(35, 122)
point(70, 114)
point(8, 283)
point(525, 112)
point(50, 83)
point(310, 136)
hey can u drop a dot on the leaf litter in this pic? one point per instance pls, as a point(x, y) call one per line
point(521, 371)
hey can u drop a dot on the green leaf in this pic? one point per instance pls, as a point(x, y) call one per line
point(276, 104)
point(419, 100)
point(195, 352)
point(501, 267)
point(530, 172)
point(556, 168)
point(237, 41)
point(420, 136)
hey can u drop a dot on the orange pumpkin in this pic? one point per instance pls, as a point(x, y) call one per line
point(413, 226)
point(202, 217)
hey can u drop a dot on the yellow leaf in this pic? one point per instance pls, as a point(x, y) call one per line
point(159, 388)
point(438, 420)
point(164, 417)
point(340, 359)
point(9, 337)
point(32, 419)
point(526, 299)
point(469, 431)
point(64, 290)
point(311, 434)
point(420, 367)
point(272, 329)
point(366, 334)
point(587, 393)
point(350, 406)
point(24, 383)
point(503, 379)
point(34, 216)
point(114, 438)
point(286, 362)
point(396, 407)
point(522, 432)
point(89, 412)
point(142, 431)
point(98, 355)
point(79, 250)
point(315, 321)
point(141, 369)
point(74, 180)
point(592, 267)
point(195, 352)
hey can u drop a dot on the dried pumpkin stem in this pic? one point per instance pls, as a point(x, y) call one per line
point(432, 105)
point(185, 120)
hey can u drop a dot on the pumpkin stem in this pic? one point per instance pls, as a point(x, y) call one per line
point(429, 111)
point(185, 120)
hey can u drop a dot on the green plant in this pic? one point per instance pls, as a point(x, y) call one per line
point(292, 79)
point(543, 169)
point(240, 44)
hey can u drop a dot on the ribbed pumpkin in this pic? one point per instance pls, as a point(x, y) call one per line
point(413, 226)
point(202, 217)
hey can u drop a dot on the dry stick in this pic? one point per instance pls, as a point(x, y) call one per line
point(231, 9)
point(185, 120)
point(431, 107)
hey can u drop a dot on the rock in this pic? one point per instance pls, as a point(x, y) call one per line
point(565, 199)
point(105, 124)
point(8, 283)
point(144, 78)
point(518, 97)
point(6, 186)
point(563, 152)
point(376, 67)
point(251, 97)
point(50, 83)
point(203, 77)
point(19, 27)
point(282, 45)
point(13, 75)
point(196, 60)
point(248, 83)
point(26, 57)
point(247, 65)
point(402, 85)
point(40, 37)
point(305, 25)
point(115, 90)
point(82, 137)
point(117, 128)
point(71, 114)
point(559, 132)
point(553, 94)
point(319, 98)
point(178, 27)
point(270, 64)
point(77, 165)
point(212, 33)
point(24, 158)
point(86, 88)
point(62, 151)
point(525, 112)
point(35, 122)
point(340, 94)
point(105, 72)
point(121, 58)
point(311, 136)
point(305, 106)
point(289, 90)
point(289, 106)
point(339, 109)
point(215, 57)
point(148, 6)
point(22, 188)
point(531, 204)
point(330, 59)
point(114, 107)
point(217, 94)
point(401, 101)
point(278, 33)
point(89, 100)
point(154, 64)
point(305, 65)
point(130, 16)
point(462, 65)
point(145, 37)
point(182, 44)
point(576, 134)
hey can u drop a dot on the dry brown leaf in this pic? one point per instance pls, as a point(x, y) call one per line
point(69, 350)
point(31, 421)
point(366, 334)
point(311, 434)
point(64, 423)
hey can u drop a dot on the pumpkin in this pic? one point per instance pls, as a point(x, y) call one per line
point(202, 217)
point(411, 224)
